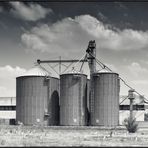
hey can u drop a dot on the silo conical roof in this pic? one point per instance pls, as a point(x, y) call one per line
point(73, 71)
point(105, 71)
point(37, 70)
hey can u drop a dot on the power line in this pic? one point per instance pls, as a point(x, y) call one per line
point(80, 60)
point(83, 62)
point(124, 99)
point(98, 61)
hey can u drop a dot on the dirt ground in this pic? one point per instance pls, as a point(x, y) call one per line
point(71, 136)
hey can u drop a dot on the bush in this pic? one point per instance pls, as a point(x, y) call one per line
point(131, 125)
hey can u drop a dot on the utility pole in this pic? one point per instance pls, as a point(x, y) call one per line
point(131, 98)
point(91, 55)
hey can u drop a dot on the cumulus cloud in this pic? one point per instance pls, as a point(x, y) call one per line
point(8, 76)
point(102, 16)
point(33, 12)
point(10, 72)
point(136, 69)
point(72, 35)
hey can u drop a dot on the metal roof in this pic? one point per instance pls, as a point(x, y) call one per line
point(7, 101)
point(72, 71)
point(105, 71)
point(37, 70)
point(137, 100)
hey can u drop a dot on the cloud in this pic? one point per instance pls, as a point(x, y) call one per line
point(8, 72)
point(102, 16)
point(72, 35)
point(8, 76)
point(33, 12)
point(137, 70)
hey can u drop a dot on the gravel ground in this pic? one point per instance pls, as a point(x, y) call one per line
point(71, 136)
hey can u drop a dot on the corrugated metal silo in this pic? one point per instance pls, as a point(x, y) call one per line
point(88, 101)
point(73, 99)
point(35, 97)
point(106, 99)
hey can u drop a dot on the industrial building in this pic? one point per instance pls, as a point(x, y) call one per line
point(106, 99)
point(37, 98)
point(72, 99)
point(7, 110)
point(139, 109)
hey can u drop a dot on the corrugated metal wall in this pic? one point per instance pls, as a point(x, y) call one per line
point(106, 101)
point(73, 99)
point(32, 93)
point(88, 101)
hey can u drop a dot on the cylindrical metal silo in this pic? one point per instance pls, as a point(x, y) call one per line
point(35, 98)
point(88, 101)
point(73, 99)
point(106, 99)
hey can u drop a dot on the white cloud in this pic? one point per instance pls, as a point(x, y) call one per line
point(72, 35)
point(8, 72)
point(33, 12)
point(102, 16)
point(137, 70)
point(8, 76)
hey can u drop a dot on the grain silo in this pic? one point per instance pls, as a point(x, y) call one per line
point(73, 99)
point(106, 99)
point(37, 100)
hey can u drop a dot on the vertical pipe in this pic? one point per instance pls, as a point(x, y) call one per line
point(91, 54)
point(131, 108)
point(131, 98)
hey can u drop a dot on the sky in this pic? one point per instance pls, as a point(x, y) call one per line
point(47, 30)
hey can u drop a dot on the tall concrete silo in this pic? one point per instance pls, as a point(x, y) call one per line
point(106, 99)
point(73, 99)
point(37, 100)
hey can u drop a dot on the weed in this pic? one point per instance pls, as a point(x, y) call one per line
point(131, 125)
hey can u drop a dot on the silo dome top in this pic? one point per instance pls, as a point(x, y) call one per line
point(37, 70)
point(105, 71)
point(73, 71)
